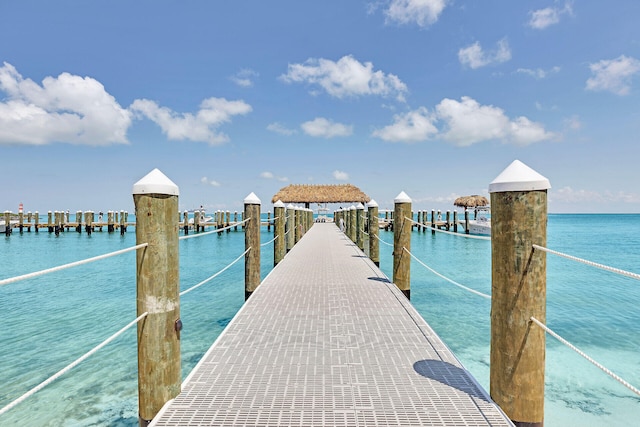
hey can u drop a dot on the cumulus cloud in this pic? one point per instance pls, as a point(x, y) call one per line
point(67, 108)
point(538, 73)
point(324, 128)
point(613, 75)
point(281, 129)
point(475, 57)
point(270, 175)
point(413, 126)
point(420, 12)
point(244, 77)
point(201, 127)
point(463, 123)
point(210, 182)
point(543, 18)
point(340, 175)
point(347, 77)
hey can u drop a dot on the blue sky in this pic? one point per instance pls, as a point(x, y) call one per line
point(431, 97)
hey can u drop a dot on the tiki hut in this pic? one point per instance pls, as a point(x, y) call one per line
point(471, 201)
point(321, 194)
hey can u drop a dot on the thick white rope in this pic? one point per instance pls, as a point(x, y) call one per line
point(70, 366)
point(581, 353)
point(468, 236)
point(270, 241)
point(215, 275)
point(386, 243)
point(217, 230)
point(71, 264)
point(453, 282)
point(591, 263)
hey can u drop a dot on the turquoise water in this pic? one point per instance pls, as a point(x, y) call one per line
point(49, 321)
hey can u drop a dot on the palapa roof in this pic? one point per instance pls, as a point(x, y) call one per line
point(306, 193)
point(471, 201)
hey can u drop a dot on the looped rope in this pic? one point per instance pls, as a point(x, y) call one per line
point(581, 353)
point(71, 365)
point(217, 230)
point(270, 241)
point(386, 243)
point(591, 263)
point(71, 264)
point(468, 236)
point(453, 282)
point(186, 291)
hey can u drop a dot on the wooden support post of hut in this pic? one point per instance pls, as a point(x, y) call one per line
point(374, 230)
point(402, 243)
point(279, 243)
point(252, 244)
point(290, 227)
point(360, 226)
point(158, 285)
point(518, 285)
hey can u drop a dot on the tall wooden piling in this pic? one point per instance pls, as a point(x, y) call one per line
point(402, 240)
point(433, 222)
point(352, 223)
point(360, 226)
point(374, 230)
point(123, 223)
point(518, 285)
point(290, 227)
point(279, 243)
point(36, 220)
point(159, 378)
point(251, 243)
point(455, 221)
point(7, 223)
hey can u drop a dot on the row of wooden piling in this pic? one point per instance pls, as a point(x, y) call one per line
point(518, 284)
point(59, 221)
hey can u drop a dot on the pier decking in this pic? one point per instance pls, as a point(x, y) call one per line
point(326, 339)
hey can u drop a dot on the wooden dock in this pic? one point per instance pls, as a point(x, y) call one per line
point(326, 339)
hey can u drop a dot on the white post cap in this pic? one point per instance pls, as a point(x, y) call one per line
point(372, 204)
point(518, 177)
point(352, 208)
point(290, 206)
point(155, 182)
point(360, 206)
point(252, 199)
point(278, 204)
point(402, 198)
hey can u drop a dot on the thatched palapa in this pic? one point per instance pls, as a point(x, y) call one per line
point(471, 201)
point(301, 193)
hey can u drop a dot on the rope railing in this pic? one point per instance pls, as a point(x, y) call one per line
point(584, 355)
point(71, 365)
point(218, 230)
point(186, 291)
point(386, 243)
point(70, 265)
point(270, 241)
point(590, 263)
point(453, 282)
point(468, 236)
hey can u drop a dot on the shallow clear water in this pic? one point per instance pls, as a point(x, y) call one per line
point(51, 320)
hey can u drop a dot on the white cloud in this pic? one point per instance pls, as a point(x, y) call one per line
point(538, 73)
point(340, 175)
point(475, 57)
point(266, 175)
point(244, 77)
point(569, 195)
point(281, 129)
point(413, 126)
point(210, 182)
point(270, 175)
point(613, 75)
point(543, 18)
point(321, 127)
point(468, 122)
point(573, 123)
point(346, 78)
point(67, 108)
point(421, 12)
point(201, 127)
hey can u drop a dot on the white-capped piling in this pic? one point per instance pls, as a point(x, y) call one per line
point(7, 223)
point(402, 241)
point(123, 223)
point(251, 244)
point(227, 221)
point(353, 225)
point(374, 229)
point(279, 243)
point(36, 221)
point(518, 287)
point(110, 222)
point(298, 225)
point(290, 227)
point(159, 378)
point(185, 222)
point(360, 226)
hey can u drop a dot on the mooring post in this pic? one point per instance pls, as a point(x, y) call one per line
point(402, 241)
point(353, 225)
point(518, 287)
point(185, 222)
point(374, 230)
point(110, 222)
point(157, 293)
point(433, 222)
point(79, 221)
point(123, 223)
point(279, 243)
point(36, 220)
point(7, 223)
point(290, 228)
point(251, 244)
point(360, 226)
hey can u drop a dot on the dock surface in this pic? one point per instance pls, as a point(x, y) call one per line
point(327, 340)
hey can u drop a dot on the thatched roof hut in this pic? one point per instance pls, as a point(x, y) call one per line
point(471, 201)
point(303, 193)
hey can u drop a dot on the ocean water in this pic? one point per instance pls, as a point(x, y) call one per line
point(49, 321)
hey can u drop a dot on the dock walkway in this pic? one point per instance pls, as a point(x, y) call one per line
point(326, 339)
